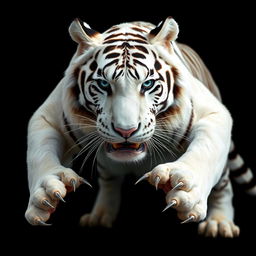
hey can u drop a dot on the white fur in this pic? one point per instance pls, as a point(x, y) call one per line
point(199, 168)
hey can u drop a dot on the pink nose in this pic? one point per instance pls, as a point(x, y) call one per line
point(126, 133)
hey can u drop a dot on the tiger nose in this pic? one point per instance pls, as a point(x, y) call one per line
point(126, 133)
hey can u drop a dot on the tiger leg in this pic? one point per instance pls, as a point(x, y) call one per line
point(107, 203)
point(49, 180)
point(219, 220)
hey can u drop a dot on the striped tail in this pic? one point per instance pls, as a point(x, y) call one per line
point(240, 172)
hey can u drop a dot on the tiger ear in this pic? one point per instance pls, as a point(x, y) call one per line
point(165, 32)
point(81, 33)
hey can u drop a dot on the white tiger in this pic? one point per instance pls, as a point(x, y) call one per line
point(145, 105)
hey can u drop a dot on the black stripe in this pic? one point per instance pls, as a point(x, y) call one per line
point(160, 77)
point(109, 64)
point(141, 48)
point(125, 45)
point(114, 74)
point(119, 74)
point(82, 78)
point(168, 80)
point(113, 35)
point(138, 55)
point(109, 48)
point(154, 54)
point(160, 94)
point(174, 109)
point(139, 29)
point(157, 65)
point(140, 63)
point(97, 54)
point(70, 133)
point(89, 78)
point(99, 72)
point(129, 71)
point(137, 74)
point(136, 35)
point(155, 89)
point(82, 81)
point(96, 89)
point(238, 172)
point(88, 104)
point(112, 55)
point(93, 65)
point(232, 155)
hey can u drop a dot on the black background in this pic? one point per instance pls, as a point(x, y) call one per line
point(40, 52)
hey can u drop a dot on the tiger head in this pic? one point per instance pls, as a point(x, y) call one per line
point(124, 82)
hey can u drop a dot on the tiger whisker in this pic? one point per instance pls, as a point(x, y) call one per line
point(77, 129)
point(86, 118)
point(91, 150)
point(175, 133)
point(169, 140)
point(164, 117)
point(87, 136)
point(82, 140)
point(91, 141)
point(82, 125)
point(150, 149)
point(163, 146)
point(95, 156)
point(157, 149)
point(82, 151)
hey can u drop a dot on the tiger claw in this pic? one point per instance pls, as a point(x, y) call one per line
point(177, 186)
point(47, 203)
point(172, 203)
point(189, 219)
point(84, 181)
point(145, 176)
point(157, 180)
point(58, 195)
point(73, 183)
point(42, 223)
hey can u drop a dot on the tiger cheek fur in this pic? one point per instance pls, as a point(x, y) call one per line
point(138, 101)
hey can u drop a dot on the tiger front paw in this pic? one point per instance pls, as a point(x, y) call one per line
point(182, 188)
point(48, 191)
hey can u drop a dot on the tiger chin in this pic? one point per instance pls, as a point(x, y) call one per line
point(133, 94)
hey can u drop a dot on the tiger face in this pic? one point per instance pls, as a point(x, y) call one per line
point(125, 83)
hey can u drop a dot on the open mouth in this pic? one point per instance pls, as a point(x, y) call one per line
point(125, 147)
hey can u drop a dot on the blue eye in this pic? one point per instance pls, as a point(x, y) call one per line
point(103, 83)
point(148, 84)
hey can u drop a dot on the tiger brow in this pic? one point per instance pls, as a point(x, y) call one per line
point(150, 73)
